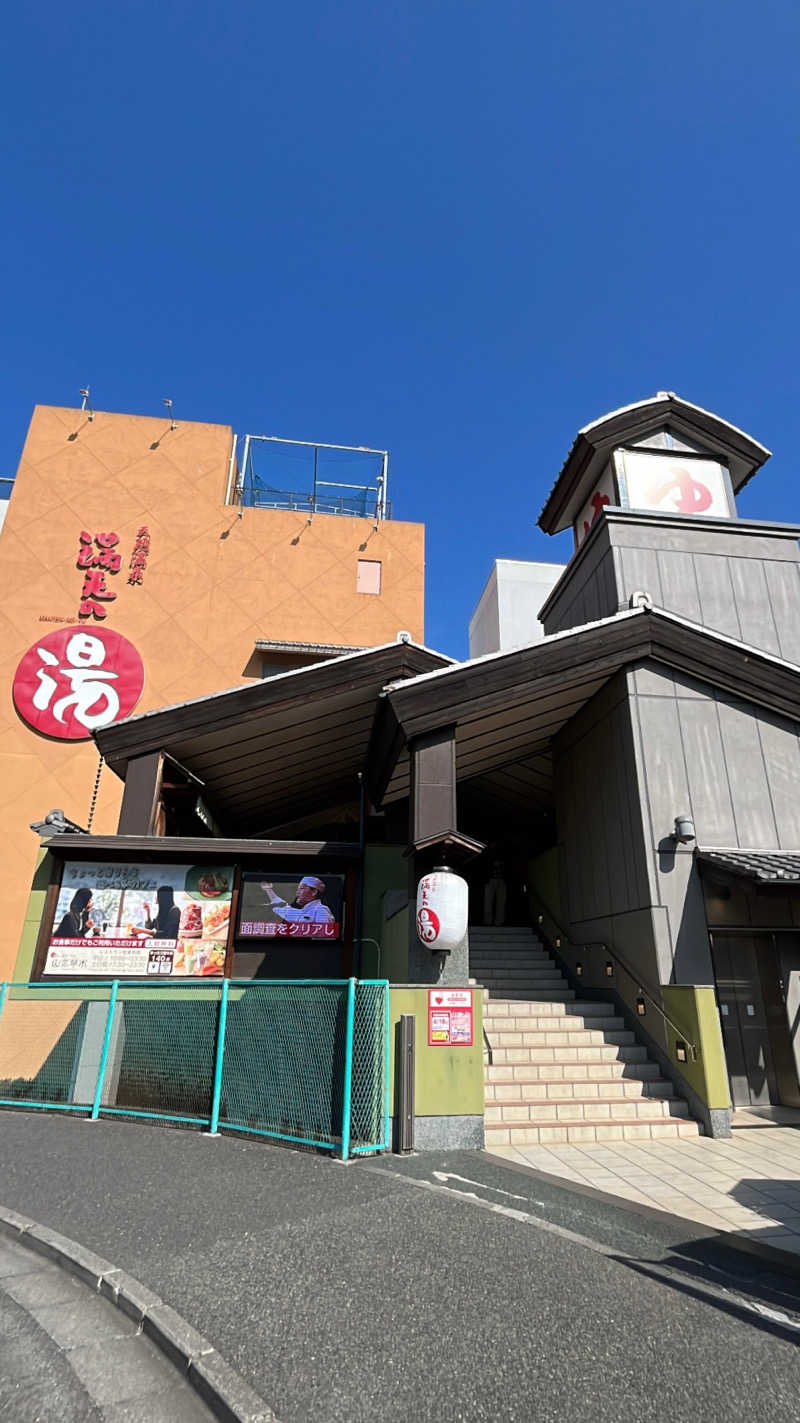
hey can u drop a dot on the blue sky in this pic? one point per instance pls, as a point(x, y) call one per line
point(458, 230)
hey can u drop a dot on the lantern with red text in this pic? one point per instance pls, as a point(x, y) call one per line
point(442, 904)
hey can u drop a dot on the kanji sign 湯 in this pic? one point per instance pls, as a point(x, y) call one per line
point(72, 681)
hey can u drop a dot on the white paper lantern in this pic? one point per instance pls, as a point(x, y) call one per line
point(442, 910)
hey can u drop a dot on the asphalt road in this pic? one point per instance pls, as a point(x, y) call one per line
point(447, 1288)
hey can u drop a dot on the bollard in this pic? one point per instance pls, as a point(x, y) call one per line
point(405, 1081)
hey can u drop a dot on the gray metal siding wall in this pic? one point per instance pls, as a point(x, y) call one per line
point(733, 768)
point(756, 601)
point(587, 590)
point(610, 890)
point(734, 577)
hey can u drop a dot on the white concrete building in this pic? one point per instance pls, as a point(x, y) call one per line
point(507, 612)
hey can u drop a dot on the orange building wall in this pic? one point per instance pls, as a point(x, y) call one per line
point(215, 582)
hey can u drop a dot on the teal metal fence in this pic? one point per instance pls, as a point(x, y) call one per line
point(293, 1060)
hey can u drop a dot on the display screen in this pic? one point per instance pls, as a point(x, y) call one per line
point(141, 921)
point(293, 905)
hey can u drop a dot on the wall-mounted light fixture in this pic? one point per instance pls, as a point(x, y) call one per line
point(557, 943)
point(641, 1006)
point(681, 1051)
point(579, 970)
point(684, 831)
point(609, 969)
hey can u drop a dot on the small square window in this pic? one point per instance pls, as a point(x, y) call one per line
point(368, 579)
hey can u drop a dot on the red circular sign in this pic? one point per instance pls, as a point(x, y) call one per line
point(428, 925)
point(77, 679)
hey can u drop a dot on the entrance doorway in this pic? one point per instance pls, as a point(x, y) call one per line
point(758, 994)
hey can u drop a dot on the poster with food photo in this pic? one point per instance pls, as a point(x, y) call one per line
point(140, 921)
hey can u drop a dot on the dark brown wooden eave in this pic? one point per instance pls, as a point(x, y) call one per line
point(241, 706)
point(165, 847)
point(507, 708)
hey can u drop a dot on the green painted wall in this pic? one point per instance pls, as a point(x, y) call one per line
point(448, 1080)
point(394, 957)
point(695, 1009)
point(385, 867)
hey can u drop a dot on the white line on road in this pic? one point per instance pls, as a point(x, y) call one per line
point(451, 1176)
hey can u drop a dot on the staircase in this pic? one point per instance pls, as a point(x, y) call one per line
point(557, 1069)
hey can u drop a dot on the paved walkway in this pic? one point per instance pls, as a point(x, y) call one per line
point(66, 1354)
point(748, 1183)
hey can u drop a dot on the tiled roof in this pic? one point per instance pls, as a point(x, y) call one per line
point(765, 866)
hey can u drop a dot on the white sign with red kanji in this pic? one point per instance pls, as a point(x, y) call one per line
point(451, 1017)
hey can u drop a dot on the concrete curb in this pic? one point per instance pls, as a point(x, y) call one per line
point(225, 1392)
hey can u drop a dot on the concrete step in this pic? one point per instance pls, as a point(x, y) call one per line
point(512, 1051)
point(539, 1113)
point(530, 995)
point(550, 1023)
point(579, 1007)
point(533, 959)
point(613, 1090)
point(531, 983)
point(503, 929)
point(578, 1072)
point(510, 1134)
point(582, 1037)
point(513, 972)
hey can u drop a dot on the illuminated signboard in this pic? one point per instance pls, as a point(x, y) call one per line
point(280, 904)
point(140, 921)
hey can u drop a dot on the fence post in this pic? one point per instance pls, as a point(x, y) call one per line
point(213, 1126)
point(387, 1059)
point(348, 1067)
point(101, 1071)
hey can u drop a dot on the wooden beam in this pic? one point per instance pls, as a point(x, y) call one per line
point(142, 795)
point(432, 805)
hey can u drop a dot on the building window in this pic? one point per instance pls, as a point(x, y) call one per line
point(368, 579)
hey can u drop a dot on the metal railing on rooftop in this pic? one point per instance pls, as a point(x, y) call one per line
point(270, 467)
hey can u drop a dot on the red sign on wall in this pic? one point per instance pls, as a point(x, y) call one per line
point(73, 681)
point(450, 1017)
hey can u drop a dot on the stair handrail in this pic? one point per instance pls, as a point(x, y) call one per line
point(622, 961)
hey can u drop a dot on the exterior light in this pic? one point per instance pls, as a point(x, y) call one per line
point(558, 943)
point(579, 970)
point(609, 969)
point(684, 829)
point(680, 1052)
point(641, 1006)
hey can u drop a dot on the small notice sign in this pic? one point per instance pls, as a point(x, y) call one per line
point(450, 1017)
